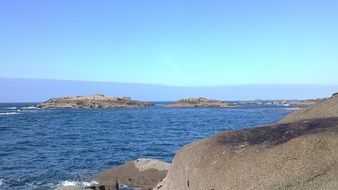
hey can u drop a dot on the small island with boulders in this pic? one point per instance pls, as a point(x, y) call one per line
point(93, 101)
point(102, 101)
point(201, 102)
point(97, 101)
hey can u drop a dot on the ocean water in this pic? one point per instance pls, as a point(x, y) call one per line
point(44, 149)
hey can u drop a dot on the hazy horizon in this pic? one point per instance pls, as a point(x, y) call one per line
point(37, 90)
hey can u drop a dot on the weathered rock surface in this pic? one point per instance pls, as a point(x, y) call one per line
point(141, 173)
point(322, 109)
point(301, 155)
point(201, 102)
point(93, 101)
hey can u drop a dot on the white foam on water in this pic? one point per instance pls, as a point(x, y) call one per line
point(30, 108)
point(9, 113)
point(70, 183)
point(2, 182)
point(10, 108)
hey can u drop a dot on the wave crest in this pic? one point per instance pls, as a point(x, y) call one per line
point(69, 183)
point(9, 113)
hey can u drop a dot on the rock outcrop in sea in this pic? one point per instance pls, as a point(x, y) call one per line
point(201, 102)
point(141, 173)
point(93, 101)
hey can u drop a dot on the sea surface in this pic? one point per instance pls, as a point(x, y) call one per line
point(45, 149)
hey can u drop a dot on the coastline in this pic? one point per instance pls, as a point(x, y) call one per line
point(238, 147)
point(92, 182)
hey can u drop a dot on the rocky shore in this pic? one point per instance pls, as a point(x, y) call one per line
point(93, 101)
point(299, 152)
point(140, 174)
point(299, 155)
point(201, 102)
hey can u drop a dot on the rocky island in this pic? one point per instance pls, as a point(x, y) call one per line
point(201, 102)
point(93, 101)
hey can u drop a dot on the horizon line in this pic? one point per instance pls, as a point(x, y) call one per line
point(172, 85)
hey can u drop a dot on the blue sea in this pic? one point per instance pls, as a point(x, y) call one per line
point(45, 149)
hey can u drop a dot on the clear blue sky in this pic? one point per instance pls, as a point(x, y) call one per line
point(198, 43)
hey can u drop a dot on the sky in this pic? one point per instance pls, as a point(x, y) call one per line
point(176, 42)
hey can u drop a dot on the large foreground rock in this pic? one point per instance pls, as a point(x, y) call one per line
point(322, 109)
point(141, 173)
point(301, 155)
point(93, 101)
point(201, 102)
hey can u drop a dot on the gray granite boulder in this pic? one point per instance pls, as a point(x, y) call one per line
point(302, 155)
point(142, 173)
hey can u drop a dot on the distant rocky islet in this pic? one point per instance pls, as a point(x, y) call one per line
point(102, 101)
point(93, 101)
point(201, 102)
point(98, 101)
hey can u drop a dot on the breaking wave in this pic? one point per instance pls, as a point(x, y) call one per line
point(70, 183)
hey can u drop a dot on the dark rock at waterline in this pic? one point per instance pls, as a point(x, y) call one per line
point(141, 173)
point(302, 155)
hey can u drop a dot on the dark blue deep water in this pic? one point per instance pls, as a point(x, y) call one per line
point(41, 149)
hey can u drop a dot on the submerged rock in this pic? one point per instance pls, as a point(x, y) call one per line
point(93, 101)
point(142, 173)
point(201, 102)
